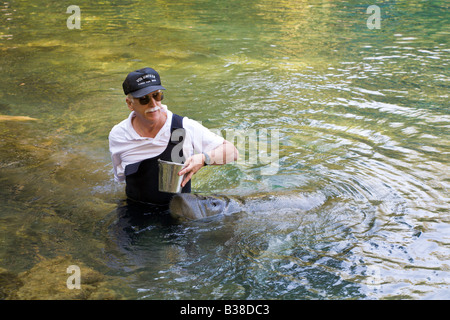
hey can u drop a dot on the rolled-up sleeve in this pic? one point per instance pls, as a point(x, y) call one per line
point(119, 175)
point(116, 150)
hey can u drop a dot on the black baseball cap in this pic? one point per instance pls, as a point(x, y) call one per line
point(142, 82)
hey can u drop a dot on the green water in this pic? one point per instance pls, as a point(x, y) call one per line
point(363, 122)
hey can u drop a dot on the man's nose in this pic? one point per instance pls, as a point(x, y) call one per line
point(152, 101)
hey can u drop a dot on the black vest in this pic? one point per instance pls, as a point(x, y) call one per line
point(142, 177)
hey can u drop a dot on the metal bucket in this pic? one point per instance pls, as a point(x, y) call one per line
point(169, 180)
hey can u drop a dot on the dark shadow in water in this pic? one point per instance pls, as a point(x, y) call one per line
point(133, 218)
point(137, 234)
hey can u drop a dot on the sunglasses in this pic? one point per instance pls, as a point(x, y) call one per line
point(157, 95)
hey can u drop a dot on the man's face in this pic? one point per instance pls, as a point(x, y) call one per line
point(147, 107)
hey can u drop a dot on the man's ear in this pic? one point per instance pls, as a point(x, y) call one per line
point(129, 104)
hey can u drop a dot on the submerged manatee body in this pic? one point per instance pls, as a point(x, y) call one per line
point(194, 206)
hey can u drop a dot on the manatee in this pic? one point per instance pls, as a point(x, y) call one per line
point(191, 206)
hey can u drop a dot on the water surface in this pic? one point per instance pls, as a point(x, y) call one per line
point(362, 117)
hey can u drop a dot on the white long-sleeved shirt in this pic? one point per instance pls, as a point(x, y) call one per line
point(127, 146)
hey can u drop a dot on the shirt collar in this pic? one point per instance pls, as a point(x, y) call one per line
point(135, 136)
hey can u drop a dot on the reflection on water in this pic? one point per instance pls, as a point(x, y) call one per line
point(362, 117)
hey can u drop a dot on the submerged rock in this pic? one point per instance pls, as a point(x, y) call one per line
point(9, 283)
point(47, 280)
point(16, 118)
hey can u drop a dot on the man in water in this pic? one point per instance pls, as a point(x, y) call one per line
point(153, 132)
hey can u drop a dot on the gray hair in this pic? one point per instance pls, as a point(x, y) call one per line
point(130, 97)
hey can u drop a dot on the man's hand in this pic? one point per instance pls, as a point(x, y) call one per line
point(224, 153)
point(191, 166)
